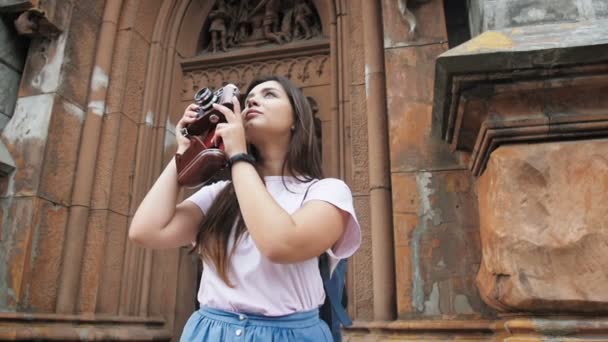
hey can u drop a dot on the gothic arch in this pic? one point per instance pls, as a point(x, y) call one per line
point(148, 275)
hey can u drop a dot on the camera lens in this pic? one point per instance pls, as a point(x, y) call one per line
point(205, 98)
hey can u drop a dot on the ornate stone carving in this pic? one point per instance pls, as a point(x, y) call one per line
point(404, 8)
point(34, 18)
point(233, 24)
point(218, 18)
point(303, 71)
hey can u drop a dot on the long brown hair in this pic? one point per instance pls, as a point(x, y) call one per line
point(303, 160)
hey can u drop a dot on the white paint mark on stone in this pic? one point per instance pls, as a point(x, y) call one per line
point(97, 107)
point(423, 180)
point(388, 42)
point(427, 215)
point(170, 143)
point(74, 110)
point(431, 306)
point(31, 119)
point(49, 78)
point(99, 79)
point(170, 125)
point(11, 185)
point(149, 118)
point(29, 124)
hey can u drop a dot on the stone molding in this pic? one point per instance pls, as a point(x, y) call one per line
point(547, 60)
point(303, 71)
point(58, 327)
point(515, 327)
point(479, 129)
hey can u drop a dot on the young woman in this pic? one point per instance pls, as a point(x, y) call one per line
point(260, 234)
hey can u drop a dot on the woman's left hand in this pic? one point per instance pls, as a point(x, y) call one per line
point(232, 132)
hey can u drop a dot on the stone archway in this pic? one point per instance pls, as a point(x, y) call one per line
point(175, 70)
point(105, 116)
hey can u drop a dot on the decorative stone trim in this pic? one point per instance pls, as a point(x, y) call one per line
point(57, 327)
point(486, 330)
point(303, 71)
point(533, 66)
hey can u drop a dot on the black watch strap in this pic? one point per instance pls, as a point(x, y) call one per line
point(241, 157)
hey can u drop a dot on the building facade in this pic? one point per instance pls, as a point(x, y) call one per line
point(472, 133)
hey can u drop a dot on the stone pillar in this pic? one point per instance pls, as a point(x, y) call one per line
point(379, 178)
point(435, 231)
point(47, 292)
point(529, 105)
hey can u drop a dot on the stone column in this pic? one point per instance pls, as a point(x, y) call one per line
point(61, 246)
point(379, 175)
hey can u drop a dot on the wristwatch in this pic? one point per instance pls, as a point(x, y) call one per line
point(241, 157)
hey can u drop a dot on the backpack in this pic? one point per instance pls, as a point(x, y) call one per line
point(333, 310)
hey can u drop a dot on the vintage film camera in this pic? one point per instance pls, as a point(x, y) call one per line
point(205, 157)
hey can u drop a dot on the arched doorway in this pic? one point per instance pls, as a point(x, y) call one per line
point(183, 59)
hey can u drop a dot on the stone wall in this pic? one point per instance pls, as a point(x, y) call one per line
point(498, 14)
point(64, 211)
point(434, 203)
point(95, 117)
point(525, 104)
point(360, 276)
point(93, 126)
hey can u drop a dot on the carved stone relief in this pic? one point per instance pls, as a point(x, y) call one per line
point(233, 24)
point(405, 7)
point(302, 71)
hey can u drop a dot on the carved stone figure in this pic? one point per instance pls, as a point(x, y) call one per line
point(232, 9)
point(242, 23)
point(287, 23)
point(217, 28)
point(272, 23)
point(404, 8)
point(301, 14)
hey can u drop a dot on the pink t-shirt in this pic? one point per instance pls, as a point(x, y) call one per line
point(267, 288)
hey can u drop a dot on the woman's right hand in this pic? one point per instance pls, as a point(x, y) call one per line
point(189, 116)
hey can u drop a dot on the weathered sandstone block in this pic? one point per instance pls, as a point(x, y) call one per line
point(544, 227)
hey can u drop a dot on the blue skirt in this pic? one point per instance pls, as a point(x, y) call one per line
point(209, 324)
